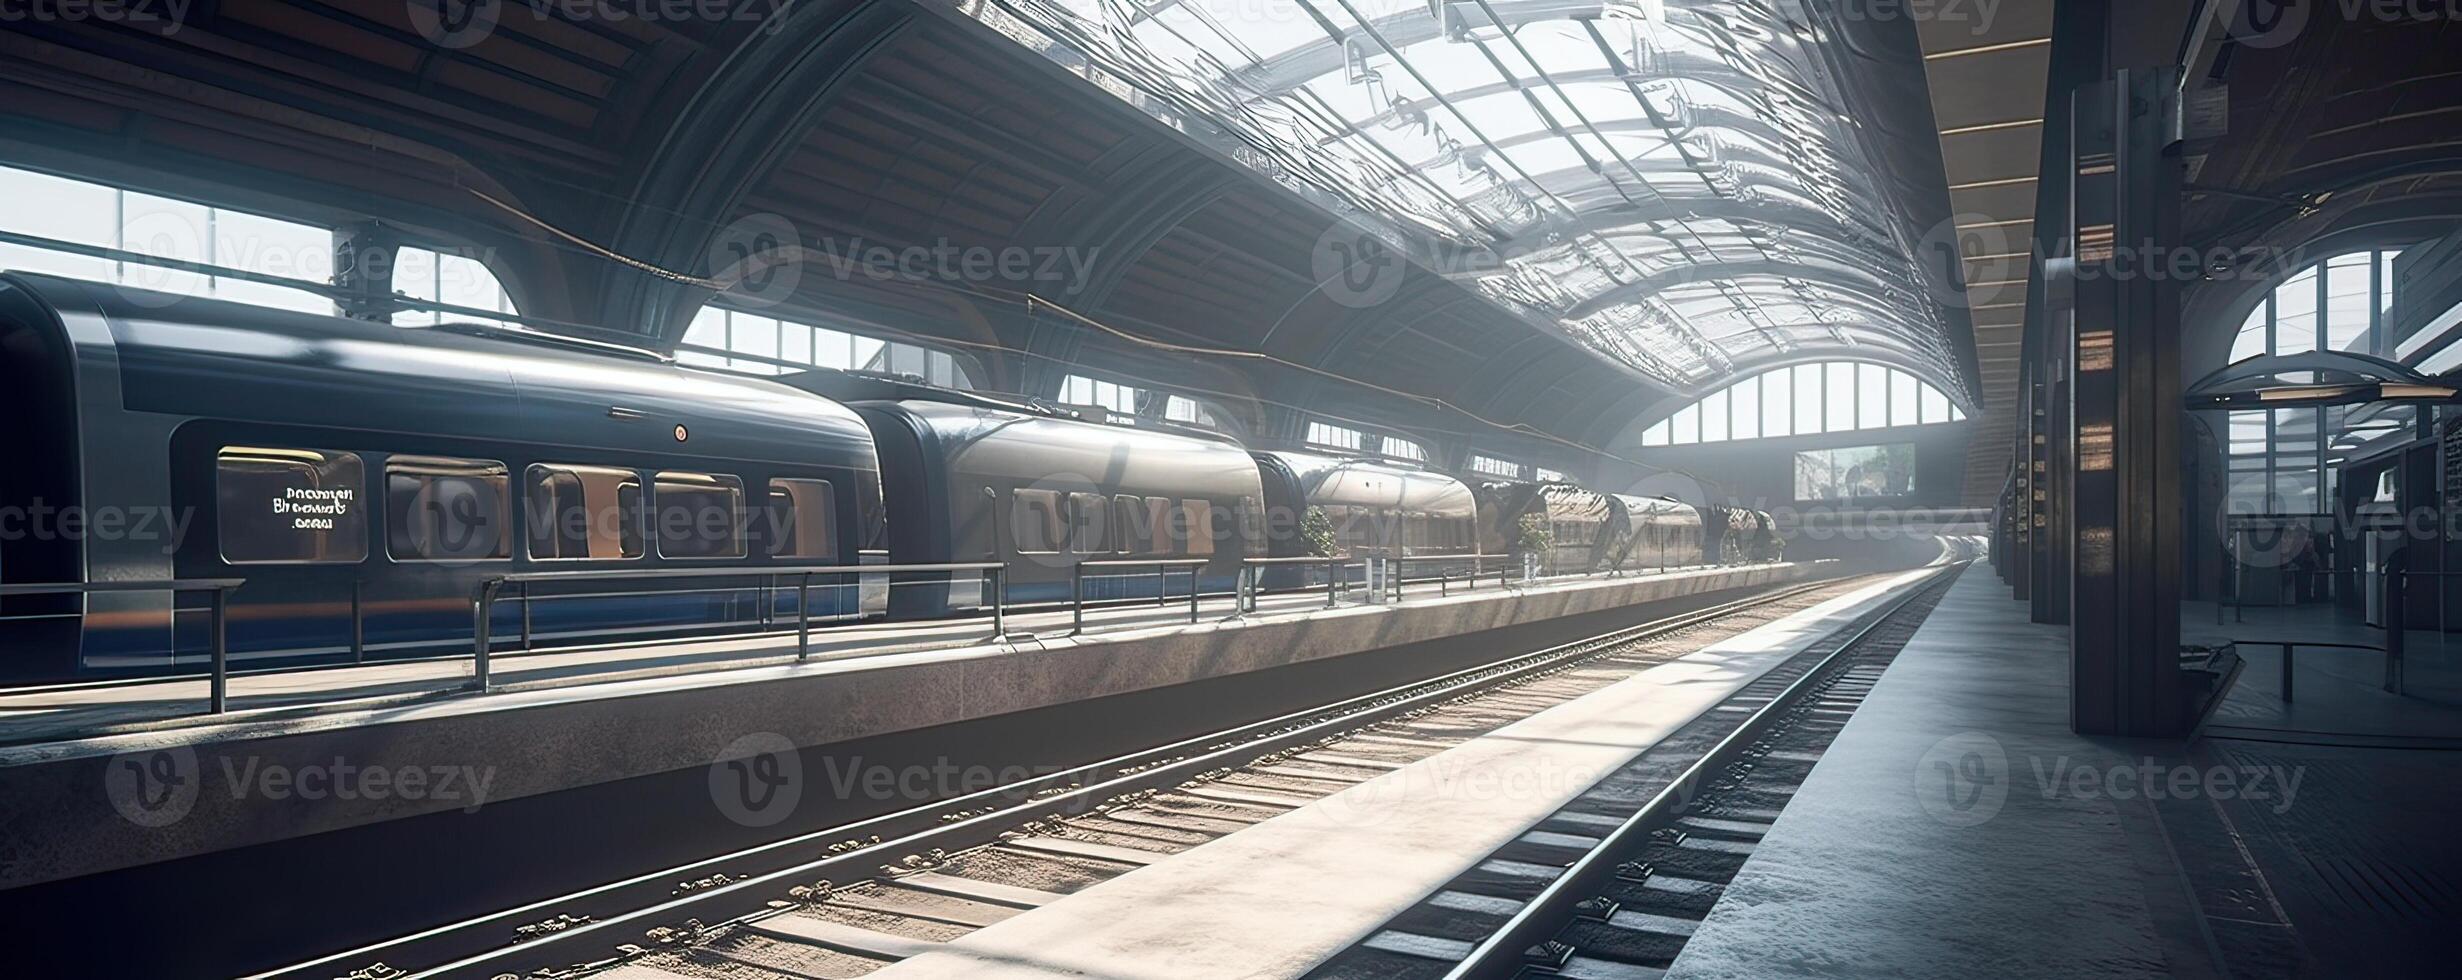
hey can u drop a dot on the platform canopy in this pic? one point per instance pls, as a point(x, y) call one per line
point(1684, 186)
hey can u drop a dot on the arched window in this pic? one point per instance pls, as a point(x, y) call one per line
point(2335, 305)
point(1804, 400)
point(2281, 461)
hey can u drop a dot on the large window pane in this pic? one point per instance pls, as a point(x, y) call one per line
point(2347, 295)
point(1714, 418)
point(1778, 403)
point(1902, 397)
point(1809, 406)
point(1871, 396)
point(1687, 422)
point(2295, 314)
point(1838, 385)
point(275, 248)
point(1656, 435)
point(170, 229)
point(1744, 409)
point(1935, 405)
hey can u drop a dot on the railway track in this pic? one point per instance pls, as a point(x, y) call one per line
point(1613, 884)
point(847, 901)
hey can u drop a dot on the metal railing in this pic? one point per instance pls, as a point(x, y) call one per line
point(1252, 575)
point(484, 599)
point(1162, 583)
point(218, 687)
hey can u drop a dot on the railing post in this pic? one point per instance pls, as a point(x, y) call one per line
point(219, 697)
point(1193, 572)
point(1332, 571)
point(1077, 598)
point(1162, 585)
point(1000, 601)
point(525, 616)
point(482, 612)
point(358, 625)
point(803, 614)
point(2286, 671)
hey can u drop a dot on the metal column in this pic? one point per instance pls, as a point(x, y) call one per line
point(2121, 493)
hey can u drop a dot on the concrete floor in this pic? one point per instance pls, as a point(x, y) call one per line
point(1957, 828)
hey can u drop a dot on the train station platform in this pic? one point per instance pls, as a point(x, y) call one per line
point(1277, 898)
point(647, 723)
point(1958, 828)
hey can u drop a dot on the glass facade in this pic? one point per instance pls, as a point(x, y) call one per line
point(1808, 399)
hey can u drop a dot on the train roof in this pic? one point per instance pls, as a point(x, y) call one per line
point(1654, 505)
point(211, 358)
point(1063, 452)
point(1328, 478)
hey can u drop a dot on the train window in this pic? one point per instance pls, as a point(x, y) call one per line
point(1158, 526)
point(1197, 517)
point(444, 509)
point(1035, 521)
point(803, 519)
point(1128, 529)
point(700, 515)
point(580, 513)
point(291, 506)
point(1089, 523)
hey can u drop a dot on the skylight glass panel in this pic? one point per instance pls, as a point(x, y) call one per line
point(1596, 151)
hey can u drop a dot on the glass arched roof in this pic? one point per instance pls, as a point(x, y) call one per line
point(1609, 163)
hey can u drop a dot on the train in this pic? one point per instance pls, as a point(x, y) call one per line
point(366, 480)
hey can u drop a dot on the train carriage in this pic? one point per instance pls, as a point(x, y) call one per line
point(1372, 508)
point(1653, 533)
point(972, 478)
point(356, 472)
point(1575, 520)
